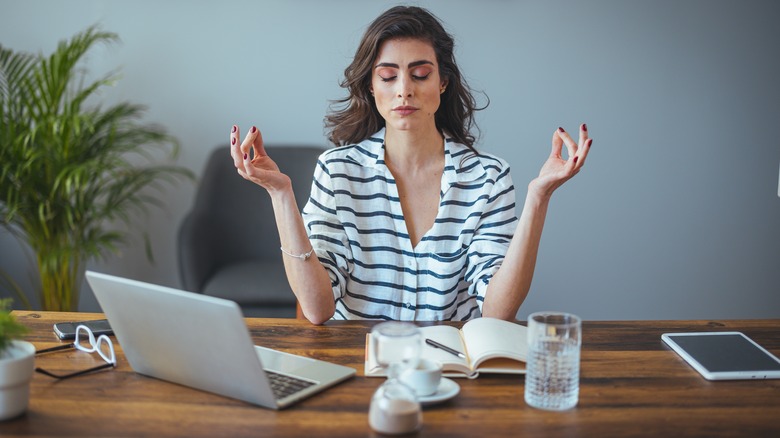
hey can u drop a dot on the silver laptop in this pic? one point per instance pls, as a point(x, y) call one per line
point(202, 342)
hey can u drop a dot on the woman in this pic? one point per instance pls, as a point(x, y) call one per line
point(406, 220)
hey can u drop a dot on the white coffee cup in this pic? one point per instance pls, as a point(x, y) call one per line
point(423, 379)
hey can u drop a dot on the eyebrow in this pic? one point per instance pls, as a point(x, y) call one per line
point(411, 64)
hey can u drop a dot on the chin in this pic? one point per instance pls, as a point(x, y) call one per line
point(406, 124)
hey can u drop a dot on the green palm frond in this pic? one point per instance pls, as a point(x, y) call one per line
point(69, 171)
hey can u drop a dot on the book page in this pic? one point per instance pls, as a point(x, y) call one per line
point(489, 338)
point(446, 335)
point(451, 337)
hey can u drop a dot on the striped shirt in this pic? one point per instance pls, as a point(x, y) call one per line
point(357, 229)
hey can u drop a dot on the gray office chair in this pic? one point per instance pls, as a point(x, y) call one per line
point(228, 243)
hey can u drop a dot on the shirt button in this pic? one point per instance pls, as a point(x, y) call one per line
point(408, 305)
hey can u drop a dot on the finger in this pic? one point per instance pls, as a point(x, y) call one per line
point(583, 136)
point(557, 145)
point(571, 146)
point(246, 145)
point(571, 166)
point(257, 144)
point(251, 173)
point(252, 146)
point(583, 153)
point(246, 171)
point(235, 151)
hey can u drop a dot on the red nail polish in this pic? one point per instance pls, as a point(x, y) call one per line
point(233, 141)
point(560, 129)
point(254, 129)
point(584, 127)
point(590, 142)
point(234, 128)
point(575, 159)
point(245, 155)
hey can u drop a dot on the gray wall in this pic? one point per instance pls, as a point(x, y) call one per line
point(675, 214)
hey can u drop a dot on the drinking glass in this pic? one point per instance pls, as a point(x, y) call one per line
point(396, 346)
point(394, 406)
point(552, 379)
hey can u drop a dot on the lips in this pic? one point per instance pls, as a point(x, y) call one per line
point(404, 110)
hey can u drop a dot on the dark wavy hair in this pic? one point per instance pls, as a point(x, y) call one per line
point(355, 117)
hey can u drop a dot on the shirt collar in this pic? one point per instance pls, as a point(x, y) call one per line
point(461, 164)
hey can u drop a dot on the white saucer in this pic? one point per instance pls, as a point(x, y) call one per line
point(447, 389)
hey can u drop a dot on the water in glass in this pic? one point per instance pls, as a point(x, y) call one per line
point(552, 379)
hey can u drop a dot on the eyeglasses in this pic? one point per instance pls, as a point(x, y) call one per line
point(85, 341)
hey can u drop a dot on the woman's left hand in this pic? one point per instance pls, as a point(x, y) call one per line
point(556, 170)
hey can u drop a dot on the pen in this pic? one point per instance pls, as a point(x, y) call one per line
point(435, 344)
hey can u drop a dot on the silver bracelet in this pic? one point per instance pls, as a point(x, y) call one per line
point(305, 256)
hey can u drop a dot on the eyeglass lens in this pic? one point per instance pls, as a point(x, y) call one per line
point(85, 341)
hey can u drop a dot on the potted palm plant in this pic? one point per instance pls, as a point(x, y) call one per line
point(73, 172)
point(16, 364)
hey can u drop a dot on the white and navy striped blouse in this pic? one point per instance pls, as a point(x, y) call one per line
point(358, 232)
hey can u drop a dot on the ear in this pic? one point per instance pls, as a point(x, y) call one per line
point(443, 86)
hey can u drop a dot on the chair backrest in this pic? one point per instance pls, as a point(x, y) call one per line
point(232, 219)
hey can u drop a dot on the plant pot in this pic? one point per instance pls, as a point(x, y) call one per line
point(17, 363)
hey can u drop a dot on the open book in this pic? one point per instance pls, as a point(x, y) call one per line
point(490, 346)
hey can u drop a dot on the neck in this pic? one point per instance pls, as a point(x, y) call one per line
point(413, 149)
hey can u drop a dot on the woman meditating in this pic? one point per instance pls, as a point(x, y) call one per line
point(406, 219)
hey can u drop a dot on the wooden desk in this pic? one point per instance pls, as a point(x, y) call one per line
point(631, 385)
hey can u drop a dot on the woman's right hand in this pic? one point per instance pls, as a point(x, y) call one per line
point(253, 163)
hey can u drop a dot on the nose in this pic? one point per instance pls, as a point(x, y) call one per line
point(405, 86)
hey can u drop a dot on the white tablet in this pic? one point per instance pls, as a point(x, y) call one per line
point(724, 355)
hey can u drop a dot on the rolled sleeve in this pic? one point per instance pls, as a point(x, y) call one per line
point(325, 230)
point(492, 236)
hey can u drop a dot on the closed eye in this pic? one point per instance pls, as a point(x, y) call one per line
point(416, 77)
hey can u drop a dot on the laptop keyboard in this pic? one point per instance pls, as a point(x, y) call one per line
point(284, 385)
